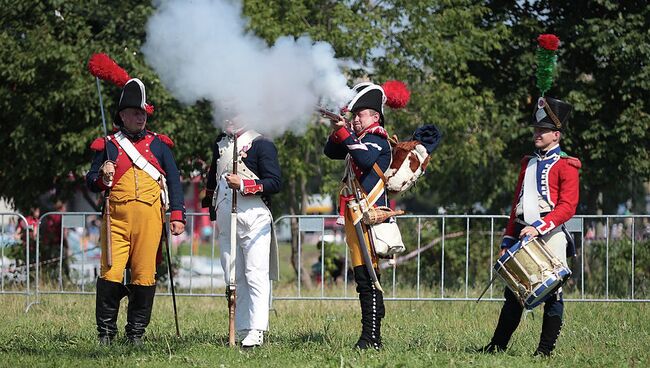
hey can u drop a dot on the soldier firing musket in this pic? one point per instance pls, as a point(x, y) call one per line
point(363, 143)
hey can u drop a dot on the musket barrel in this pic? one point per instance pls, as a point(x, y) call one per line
point(328, 114)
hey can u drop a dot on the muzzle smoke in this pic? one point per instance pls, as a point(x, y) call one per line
point(201, 50)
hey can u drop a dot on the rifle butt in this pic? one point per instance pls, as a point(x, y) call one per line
point(232, 294)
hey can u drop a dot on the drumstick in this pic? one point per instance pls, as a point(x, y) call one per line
point(488, 286)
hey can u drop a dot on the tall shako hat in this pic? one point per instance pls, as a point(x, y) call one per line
point(549, 112)
point(372, 96)
point(133, 91)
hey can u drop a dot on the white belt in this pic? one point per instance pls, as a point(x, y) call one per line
point(530, 197)
point(135, 156)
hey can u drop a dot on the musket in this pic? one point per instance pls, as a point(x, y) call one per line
point(328, 114)
point(231, 288)
point(169, 270)
point(359, 228)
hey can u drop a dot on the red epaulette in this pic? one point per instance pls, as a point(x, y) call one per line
point(573, 161)
point(98, 144)
point(525, 159)
point(165, 139)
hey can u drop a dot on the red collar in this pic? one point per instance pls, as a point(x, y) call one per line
point(376, 129)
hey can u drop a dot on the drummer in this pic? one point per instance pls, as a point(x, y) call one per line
point(545, 199)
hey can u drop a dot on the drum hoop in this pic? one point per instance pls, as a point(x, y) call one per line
point(512, 279)
point(538, 293)
point(558, 279)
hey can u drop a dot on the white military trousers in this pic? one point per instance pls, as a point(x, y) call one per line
point(556, 242)
point(252, 256)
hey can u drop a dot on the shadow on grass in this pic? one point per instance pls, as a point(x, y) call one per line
point(87, 347)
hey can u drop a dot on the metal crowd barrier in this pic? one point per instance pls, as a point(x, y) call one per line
point(15, 272)
point(448, 257)
point(593, 267)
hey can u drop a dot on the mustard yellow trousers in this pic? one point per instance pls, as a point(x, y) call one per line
point(352, 239)
point(136, 228)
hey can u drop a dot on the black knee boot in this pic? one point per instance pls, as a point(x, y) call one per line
point(107, 306)
point(139, 312)
point(508, 322)
point(551, 325)
point(372, 310)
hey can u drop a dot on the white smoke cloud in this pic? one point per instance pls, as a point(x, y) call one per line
point(201, 50)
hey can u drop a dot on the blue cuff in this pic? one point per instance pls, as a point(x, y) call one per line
point(508, 241)
point(543, 227)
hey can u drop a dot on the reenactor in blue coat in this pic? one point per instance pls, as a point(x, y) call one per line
point(257, 178)
point(137, 170)
point(363, 143)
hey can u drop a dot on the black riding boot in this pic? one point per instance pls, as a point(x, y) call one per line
point(551, 327)
point(107, 306)
point(508, 323)
point(372, 310)
point(551, 324)
point(139, 312)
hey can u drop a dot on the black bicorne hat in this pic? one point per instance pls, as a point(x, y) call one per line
point(551, 113)
point(133, 95)
point(369, 96)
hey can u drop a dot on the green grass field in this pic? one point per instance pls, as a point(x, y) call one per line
point(60, 331)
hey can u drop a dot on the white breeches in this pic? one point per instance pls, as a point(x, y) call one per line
point(251, 262)
point(556, 242)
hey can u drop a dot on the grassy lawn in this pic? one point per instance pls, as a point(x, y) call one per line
point(60, 331)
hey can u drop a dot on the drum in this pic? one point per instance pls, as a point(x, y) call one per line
point(531, 271)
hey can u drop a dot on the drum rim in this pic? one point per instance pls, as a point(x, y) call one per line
point(563, 274)
point(514, 248)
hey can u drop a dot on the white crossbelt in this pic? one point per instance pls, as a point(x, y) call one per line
point(531, 196)
point(143, 164)
point(224, 163)
point(135, 156)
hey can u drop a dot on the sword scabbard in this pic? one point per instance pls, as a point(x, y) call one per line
point(107, 220)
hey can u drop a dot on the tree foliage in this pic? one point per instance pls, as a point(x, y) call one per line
point(49, 105)
point(469, 65)
point(602, 71)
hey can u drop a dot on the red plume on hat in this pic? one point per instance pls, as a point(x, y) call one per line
point(397, 95)
point(103, 67)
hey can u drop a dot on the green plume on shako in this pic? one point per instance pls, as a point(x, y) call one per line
point(546, 61)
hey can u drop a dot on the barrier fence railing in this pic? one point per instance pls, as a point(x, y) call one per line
point(613, 252)
point(16, 241)
point(448, 257)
